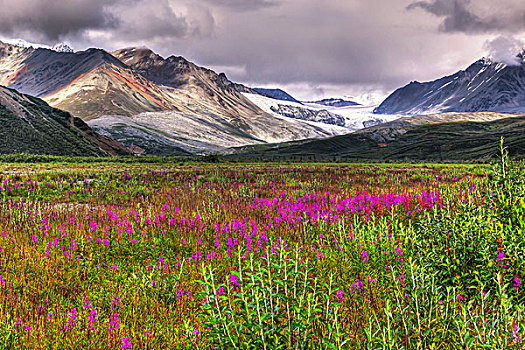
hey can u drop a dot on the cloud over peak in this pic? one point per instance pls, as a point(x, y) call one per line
point(505, 49)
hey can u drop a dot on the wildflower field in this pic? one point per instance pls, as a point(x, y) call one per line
point(259, 256)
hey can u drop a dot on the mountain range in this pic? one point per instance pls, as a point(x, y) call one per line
point(134, 100)
point(141, 99)
point(60, 47)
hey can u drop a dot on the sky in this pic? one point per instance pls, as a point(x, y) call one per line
point(360, 49)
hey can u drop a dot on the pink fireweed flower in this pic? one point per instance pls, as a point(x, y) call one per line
point(180, 294)
point(514, 288)
point(319, 255)
point(515, 336)
point(500, 259)
point(197, 255)
point(399, 254)
point(233, 281)
point(220, 291)
point(402, 280)
point(114, 302)
point(340, 295)
point(92, 313)
point(114, 323)
point(72, 319)
point(364, 254)
point(126, 344)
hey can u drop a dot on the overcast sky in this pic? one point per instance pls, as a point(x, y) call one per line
point(312, 48)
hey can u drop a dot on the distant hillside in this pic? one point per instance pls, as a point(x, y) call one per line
point(475, 137)
point(389, 131)
point(277, 94)
point(484, 86)
point(335, 102)
point(29, 125)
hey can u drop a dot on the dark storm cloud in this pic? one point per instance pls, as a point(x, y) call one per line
point(54, 19)
point(481, 16)
point(306, 45)
point(158, 21)
point(317, 44)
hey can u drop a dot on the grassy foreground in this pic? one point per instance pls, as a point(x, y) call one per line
point(138, 256)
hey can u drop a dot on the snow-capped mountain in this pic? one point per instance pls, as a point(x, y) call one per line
point(60, 47)
point(484, 86)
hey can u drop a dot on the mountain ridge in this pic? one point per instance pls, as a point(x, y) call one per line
point(485, 85)
point(277, 94)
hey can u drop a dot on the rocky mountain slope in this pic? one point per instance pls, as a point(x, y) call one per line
point(484, 86)
point(29, 125)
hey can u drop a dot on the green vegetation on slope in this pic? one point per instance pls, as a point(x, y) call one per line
point(453, 141)
point(29, 125)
